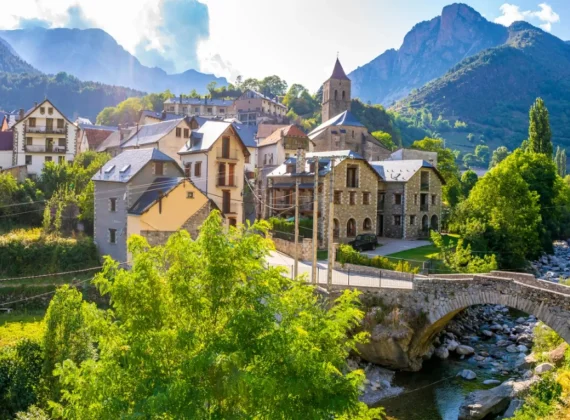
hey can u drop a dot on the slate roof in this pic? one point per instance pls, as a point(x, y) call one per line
point(151, 133)
point(95, 137)
point(200, 101)
point(134, 159)
point(247, 133)
point(113, 140)
point(344, 119)
point(6, 140)
point(287, 131)
point(204, 138)
point(401, 170)
point(166, 116)
point(338, 72)
point(97, 127)
point(160, 186)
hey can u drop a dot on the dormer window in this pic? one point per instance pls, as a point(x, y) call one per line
point(109, 169)
point(159, 168)
point(290, 169)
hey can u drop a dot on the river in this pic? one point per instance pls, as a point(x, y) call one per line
point(436, 393)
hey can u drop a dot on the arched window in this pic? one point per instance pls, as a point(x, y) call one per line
point(335, 94)
point(434, 224)
point(336, 229)
point(425, 223)
point(367, 225)
point(343, 95)
point(350, 228)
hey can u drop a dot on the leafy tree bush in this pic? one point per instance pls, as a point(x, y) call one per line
point(205, 329)
point(498, 156)
point(20, 203)
point(460, 258)
point(468, 181)
point(129, 111)
point(539, 134)
point(347, 255)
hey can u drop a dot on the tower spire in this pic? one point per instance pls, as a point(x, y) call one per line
point(338, 72)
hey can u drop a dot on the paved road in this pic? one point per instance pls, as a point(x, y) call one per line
point(391, 246)
point(343, 278)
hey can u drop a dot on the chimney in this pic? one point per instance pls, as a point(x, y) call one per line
point(180, 98)
point(21, 114)
point(301, 161)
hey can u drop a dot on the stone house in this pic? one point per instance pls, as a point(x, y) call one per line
point(214, 158)
point(254, 108)
point(142, 191)
point(340, 129)
point(167, 136)
point(409, 198)
point(202, 107)
point(354, 192)
point(43, 134)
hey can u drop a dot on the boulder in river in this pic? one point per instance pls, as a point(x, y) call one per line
point(522, 348)
point(487, 333)
point(452, 345)
point(464, 350)
point(442, 352)
point(467, 374)
point(512, 349)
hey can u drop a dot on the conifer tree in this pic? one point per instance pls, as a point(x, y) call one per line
point(539, 134)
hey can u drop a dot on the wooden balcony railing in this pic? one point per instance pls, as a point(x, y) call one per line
point(37, 148)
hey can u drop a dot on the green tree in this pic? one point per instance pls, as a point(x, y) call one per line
point(539, 134)
point(445, 165)
point(468, 181)
point(385, 139)
point(470, 160)
point(498, 156)
point(205, 329)
point(273, 86)
point(560, 159)
point(470, 137)
point(459, 257)
point(482, 153)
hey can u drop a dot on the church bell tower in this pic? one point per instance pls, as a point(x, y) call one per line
point(336, 93)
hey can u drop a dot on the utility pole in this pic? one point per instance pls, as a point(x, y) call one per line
point(296, 268)
point(331, 227)
point(315, 221)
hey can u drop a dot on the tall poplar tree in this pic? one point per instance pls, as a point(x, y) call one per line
point(560, 160)
point(539, 134)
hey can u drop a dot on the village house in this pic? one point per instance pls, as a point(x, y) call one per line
point(6, 149)
point(143, 192)
point(90, 137)
point(214, 158)
point(340, 129)
point(202, 107)
point(43, 134)
point(354, 191)
point(168, 137)
point(409, 198)
point(152, 117)
point(254, 108)
point(112, 144)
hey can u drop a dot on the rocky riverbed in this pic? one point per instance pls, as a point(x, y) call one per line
point(483, 349)
point(554, 267)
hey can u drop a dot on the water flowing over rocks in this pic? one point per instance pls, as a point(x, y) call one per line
point(556, 266)
point(378, 382)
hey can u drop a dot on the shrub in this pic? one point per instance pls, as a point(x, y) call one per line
point(347, 255)
point(29, 252)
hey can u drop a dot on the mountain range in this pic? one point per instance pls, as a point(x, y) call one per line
point(93, 54)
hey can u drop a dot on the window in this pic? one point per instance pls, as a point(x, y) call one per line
point(290, 169)
point(197, 110)
point(198, 169)
point(50, 110)
point(433, 199)
point(61, 160)
point(232, 221)
point(343, 95)
point(48, 158)
point(29, 141)
point(335, 95)
point(112, 236)
point(225, 147)
point(247, 159)
point(222, 111)
point(265, 159)
point(209, 110)
point(189, 194)
point(352, 198)
point(231, 175)
point(351, 228)
point(412, 220)
point(42, 110)
point(186, 133)
point(366, 198)
point(188, 169)
point(178, 132)
point(338, 197)
point(61, 142)
point(159, 168)
point(60, 123)
point(32, 122)
point(112, 204)
point(336, 228)
point(397, 220)
point(416, 199)
point(352, 177)
point(398, 199)
point(28, 159)
point(222, 174)
point(367, 225)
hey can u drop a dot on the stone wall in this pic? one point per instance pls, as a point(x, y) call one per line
point(390, 210)
point(305, 248)
point(357, 139)
point(373, 271)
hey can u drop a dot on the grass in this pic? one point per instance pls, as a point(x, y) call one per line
point(18, 325)
point(427, 252)
point(322, 254)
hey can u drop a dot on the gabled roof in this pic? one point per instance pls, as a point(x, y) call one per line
point(203, 139)
point(38, 106)
point(344, 119)
point(152, 133)
point(6, 140)
point(287, 131)
point(123, 167)
point(114, 140)
point(262, 96)
point(160, 116)
point(265, 130)
point(401, 170)
point(97, 127)
point(159, 187)
point(338, 72)
point(247, 134)
point(96, 137)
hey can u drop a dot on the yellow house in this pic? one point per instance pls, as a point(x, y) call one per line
point(168, 205)
point(214, 159)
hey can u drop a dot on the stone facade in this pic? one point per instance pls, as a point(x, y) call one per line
point(336, 97)
point(354, 138)
point(305, 248)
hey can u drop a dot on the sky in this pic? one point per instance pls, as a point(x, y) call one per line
point(297, 39)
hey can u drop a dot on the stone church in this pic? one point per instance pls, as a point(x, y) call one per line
point(340, 129)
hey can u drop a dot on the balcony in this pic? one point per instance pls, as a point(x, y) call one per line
point(232, 208)
point(424, 186)
point(424, 207)
point(37, 148)
point(45, 130)
point(227, 154)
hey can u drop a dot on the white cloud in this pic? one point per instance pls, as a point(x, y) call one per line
point(512, 13)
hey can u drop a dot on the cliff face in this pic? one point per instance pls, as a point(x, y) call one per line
point(429, 50)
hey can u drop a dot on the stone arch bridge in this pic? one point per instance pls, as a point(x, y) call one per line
point(437, 300)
